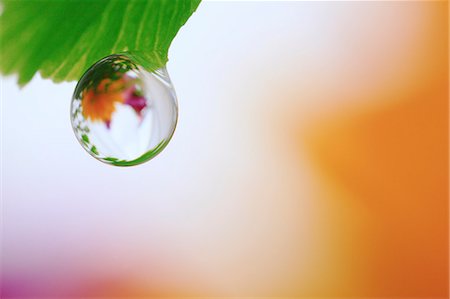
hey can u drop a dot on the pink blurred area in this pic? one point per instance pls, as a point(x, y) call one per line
point(310, 159)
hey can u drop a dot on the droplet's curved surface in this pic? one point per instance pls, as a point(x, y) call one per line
point(123, 114)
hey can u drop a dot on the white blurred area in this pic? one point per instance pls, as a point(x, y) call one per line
point(229, 207)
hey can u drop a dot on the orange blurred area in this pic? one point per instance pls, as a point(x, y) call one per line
point(392, 162)
point(384, 165)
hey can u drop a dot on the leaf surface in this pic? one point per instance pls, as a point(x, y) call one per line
point(62, 38)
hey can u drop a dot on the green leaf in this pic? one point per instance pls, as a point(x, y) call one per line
point(85, 138)
point(145, 157)
point(62, 38)
point(94, 150)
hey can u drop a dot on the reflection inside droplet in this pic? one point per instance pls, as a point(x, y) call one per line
point(123, 114)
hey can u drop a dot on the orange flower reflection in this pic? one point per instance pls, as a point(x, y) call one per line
point(98, 103)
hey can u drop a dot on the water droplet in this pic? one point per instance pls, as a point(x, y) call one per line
point(121, 113)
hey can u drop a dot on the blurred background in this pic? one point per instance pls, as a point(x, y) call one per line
point(310, 159)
